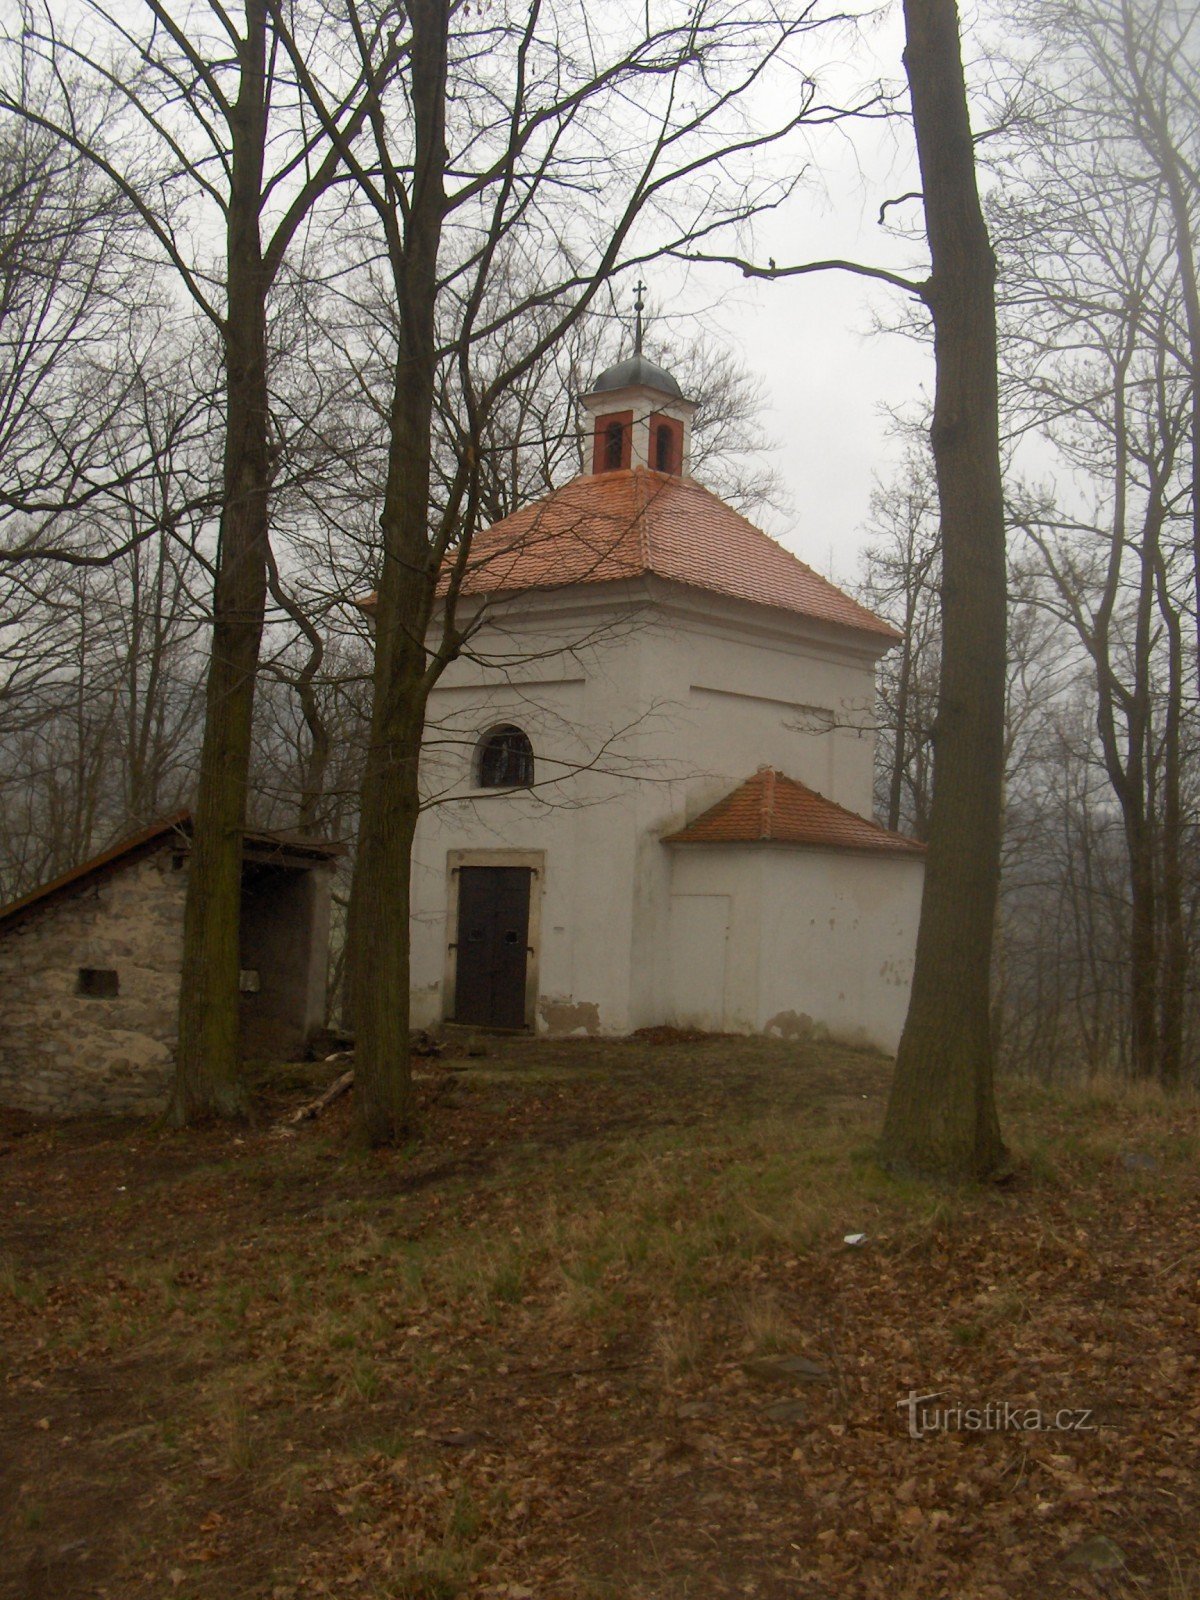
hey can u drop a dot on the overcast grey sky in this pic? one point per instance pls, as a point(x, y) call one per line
point(828, 379)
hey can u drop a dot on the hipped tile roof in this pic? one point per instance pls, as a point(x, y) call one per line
point(770, 808)
point(620, 525)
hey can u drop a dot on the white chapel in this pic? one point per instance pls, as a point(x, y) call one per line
point(649, 778)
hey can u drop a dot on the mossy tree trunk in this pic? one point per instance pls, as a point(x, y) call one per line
point(379, 901)
point(207, 1082)
point(941, 1117)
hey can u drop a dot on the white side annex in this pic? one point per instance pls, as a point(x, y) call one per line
point(648, 785)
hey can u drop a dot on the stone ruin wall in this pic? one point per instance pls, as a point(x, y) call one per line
point(65, 1053)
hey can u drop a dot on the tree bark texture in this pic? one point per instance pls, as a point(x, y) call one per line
point(379, 901)
point(206, 1077)
point(941, 1118)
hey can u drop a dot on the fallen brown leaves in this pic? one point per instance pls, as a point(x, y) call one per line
point(547, 1353)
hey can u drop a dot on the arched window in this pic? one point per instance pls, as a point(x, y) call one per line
point(668, 437)
point(504, 759)
point(612, 441)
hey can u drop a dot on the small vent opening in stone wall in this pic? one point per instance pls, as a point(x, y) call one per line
point(99, 983)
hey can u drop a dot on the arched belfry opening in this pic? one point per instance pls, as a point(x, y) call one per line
point(640, 417)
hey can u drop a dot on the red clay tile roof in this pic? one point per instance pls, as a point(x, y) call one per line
point(770, 808)
point(612, 525)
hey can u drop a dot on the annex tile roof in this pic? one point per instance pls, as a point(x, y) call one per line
point(770, 808)
point(620, 525)
point(146, 840)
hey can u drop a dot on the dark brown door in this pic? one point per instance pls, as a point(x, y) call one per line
point(493, 939)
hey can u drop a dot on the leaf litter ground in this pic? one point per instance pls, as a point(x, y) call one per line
point(598, 1335)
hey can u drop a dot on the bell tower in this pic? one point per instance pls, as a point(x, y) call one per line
point(639, 415)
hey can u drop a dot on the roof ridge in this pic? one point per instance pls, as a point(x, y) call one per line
point(768, 803)
point(126, 845)
point(639, 476)
point(151, 836)
point(798, 783)
point(759, 811)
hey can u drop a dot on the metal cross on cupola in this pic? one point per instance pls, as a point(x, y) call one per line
point(641, 419)
point(639, 305)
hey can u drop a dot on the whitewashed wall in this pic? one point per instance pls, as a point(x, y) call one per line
point(645, 703)
point(818, 941)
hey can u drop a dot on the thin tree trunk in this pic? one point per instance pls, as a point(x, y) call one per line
point(1173, 988)
point(899, 753)
point(941, 1117)
point(206, 1078)
point(313, 767)
point(1137, 811)
point(379, 901)
point(1143, 950)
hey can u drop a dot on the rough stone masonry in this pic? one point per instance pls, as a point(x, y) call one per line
point(69, 1044)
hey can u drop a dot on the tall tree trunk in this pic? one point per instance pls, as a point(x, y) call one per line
point(1174, 956)
point(1137, 809)
point(1173, 990)
point(206, 1076)
point(941, 1117)
point(379, 900)
point(1143, 948)
point(900, 751)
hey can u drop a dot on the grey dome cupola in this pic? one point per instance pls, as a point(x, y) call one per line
point(637, 371)
point(640, 417)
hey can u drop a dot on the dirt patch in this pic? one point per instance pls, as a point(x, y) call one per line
point(791, 1025)
point(569, 1017)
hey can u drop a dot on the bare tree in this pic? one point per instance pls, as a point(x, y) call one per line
point(487, 267)
point(66, 236)
point(901, 581)
point(1100, 362)
point(100, 692)
point(1132, 99)
point(202, 89)
point(941, 1115)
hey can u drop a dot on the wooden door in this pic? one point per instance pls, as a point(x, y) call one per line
point(493, 940)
